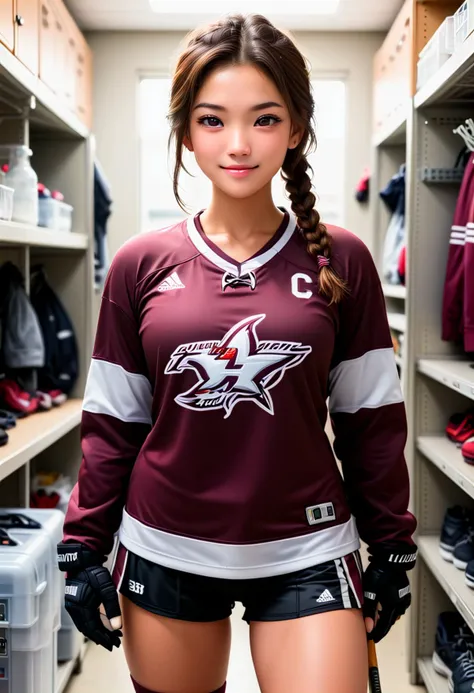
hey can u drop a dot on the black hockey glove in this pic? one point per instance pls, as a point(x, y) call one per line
point(88, 585)
point(386, 583)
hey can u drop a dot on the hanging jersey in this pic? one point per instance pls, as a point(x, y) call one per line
point(205, 407)
point(469, 282)
point(453, 295)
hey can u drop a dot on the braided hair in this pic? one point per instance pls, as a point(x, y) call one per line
point(252, 39)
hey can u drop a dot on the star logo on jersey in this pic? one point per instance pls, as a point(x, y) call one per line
point(237, 368)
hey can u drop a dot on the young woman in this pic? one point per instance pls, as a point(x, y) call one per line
point(219, 341)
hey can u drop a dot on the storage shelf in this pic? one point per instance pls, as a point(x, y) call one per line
point(23, 234)
point(37, 432)
point(453, 81)
point(449, 577)
point(448, 458)
point(395, 133)
point(434, 682)
point(397, 321)
point(394, 290)
point(49, 112)
point(458, 375)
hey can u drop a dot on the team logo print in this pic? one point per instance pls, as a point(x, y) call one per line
point(237, 368)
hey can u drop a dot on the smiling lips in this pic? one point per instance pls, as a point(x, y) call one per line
point(239, 171)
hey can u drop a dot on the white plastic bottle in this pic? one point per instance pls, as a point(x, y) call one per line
point(22, 178)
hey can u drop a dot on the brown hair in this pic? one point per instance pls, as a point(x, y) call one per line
point(238, 40)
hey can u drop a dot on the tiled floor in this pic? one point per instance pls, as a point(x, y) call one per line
point(104, 672)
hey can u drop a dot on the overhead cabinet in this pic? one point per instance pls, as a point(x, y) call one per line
point(7, 33)
point(44, 37)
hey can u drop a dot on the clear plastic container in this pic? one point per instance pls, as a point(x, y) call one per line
point(436, 52)
point(461, 24)
point(54, 214)
point(41, 610)
point(69, 639)
point(29, 672)
point(23, 179)
point(6, 202)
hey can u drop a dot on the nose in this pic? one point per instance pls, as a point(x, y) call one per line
point(239, 144)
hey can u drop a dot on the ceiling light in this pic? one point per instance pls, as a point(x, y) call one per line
point(220, 7)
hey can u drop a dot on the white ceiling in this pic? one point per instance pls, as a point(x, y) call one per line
point(136, 15)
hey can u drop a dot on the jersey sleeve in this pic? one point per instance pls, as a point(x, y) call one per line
point(116, 415)
point(366, 407)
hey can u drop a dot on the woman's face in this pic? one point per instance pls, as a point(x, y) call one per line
point(240, 130)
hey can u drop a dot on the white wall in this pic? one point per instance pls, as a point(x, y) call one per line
point(119, 58)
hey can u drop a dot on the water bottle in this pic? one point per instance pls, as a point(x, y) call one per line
point(22, 178)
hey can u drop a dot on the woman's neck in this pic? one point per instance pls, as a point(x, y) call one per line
point(240, 220)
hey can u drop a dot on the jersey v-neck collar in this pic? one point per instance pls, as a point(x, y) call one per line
point(215, 255)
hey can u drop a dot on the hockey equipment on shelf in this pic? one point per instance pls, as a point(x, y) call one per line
point(461, 680)
point(467, 450)
point(88, 586)
point(461, 427)
point(453, 637)
point(16, 399)
point(455, 527)
point(464, 550)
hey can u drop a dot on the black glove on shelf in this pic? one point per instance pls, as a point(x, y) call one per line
point(88, 585)
point(385, 582)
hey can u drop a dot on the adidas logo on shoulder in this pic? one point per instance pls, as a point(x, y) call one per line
point(172, 282)
point(325, 597)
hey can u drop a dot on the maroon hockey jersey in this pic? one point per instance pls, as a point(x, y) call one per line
point(206, 402)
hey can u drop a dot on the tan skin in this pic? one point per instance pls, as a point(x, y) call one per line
point(305, 654)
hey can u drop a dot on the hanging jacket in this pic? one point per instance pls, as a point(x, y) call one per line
point(22, 339)
point(61, 359)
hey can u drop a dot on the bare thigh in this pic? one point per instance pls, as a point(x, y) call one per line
point(173, 656)
point(325, 653)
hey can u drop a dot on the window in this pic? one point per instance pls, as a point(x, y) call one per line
point(157, 203)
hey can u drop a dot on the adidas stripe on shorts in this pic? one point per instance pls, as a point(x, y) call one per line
point(330, 586)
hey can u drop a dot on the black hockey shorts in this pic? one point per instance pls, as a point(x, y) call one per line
point(329, 586)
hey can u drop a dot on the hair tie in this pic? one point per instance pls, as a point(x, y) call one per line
point(323, 261)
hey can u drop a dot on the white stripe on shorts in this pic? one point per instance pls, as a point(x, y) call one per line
point(346, 599)
point(123, 571)
point(348, 573)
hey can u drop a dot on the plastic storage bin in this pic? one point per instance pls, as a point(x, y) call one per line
point(461, 24)
point(21, 523)
point(6, 202)
point(55, 215)
point(69, 639)
point(436, 52)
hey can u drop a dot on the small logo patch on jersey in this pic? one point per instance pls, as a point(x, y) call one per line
point(235, 369)
point(172, 282)
point(325, 597)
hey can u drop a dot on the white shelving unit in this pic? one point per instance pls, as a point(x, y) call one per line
point(63, 153)
point(437, 377)
point(394, 291)
point(434, 682)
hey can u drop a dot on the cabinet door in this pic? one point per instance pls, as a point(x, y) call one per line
point(47, 71)
point(27, 33)
point(7, 33)
point(84, 83)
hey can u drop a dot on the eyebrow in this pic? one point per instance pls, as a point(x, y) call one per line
point(258, 107)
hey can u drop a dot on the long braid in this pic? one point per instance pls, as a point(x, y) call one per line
point(298, 187)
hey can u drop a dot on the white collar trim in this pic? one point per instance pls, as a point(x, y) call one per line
point(248, 265)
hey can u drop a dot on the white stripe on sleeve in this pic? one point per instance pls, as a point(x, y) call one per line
point(369, 382)
point(112, 390)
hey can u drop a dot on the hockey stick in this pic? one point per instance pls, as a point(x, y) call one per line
point(374, 676)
